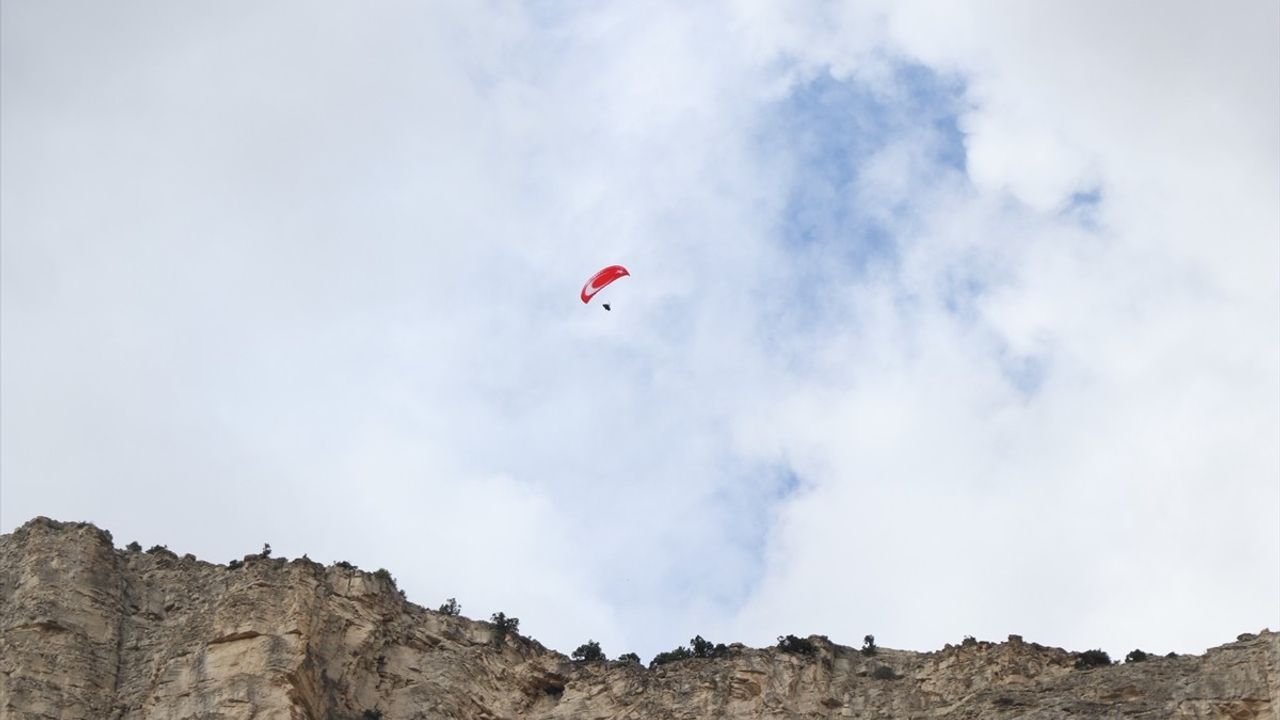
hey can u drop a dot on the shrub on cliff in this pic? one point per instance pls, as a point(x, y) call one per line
point(869, 645)
point(451, 607)
point(162, 551)
point(705, 649)
point(680, 653)
point(793, 644)
point(1092, 658)
point(504, 625)
point(133, 547)
point(629, 658)
point(1135, 656)
point(588, 652)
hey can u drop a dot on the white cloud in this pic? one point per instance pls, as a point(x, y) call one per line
point(316, 284)
point(1157, 331)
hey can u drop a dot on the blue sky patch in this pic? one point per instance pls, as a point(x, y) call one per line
point(1026, 373)
point(827, 131)
point(1083, 208)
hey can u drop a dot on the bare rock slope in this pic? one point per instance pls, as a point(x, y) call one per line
point(91, 631)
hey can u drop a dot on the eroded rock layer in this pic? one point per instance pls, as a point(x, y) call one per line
point(94, 632)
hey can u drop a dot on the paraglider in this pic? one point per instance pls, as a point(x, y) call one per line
point(600, 281)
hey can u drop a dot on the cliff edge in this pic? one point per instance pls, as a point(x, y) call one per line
point(95, 632)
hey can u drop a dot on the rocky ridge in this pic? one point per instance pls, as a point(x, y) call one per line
point(95, 632)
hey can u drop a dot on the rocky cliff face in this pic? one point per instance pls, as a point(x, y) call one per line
point(90, 631)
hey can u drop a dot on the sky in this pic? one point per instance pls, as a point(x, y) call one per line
point(942, 320)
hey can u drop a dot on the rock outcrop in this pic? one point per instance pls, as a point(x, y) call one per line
point(90, 631)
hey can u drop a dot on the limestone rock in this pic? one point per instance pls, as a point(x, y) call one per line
point(89, 631)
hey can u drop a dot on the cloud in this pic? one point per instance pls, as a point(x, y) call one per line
point(981, 499)
point(939, 323)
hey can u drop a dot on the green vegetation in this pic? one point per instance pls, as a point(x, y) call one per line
point(705, 649)
point(629, 658)
point(680, 653)
point(793, 644)
point(133, 547)
point(266, 551)
point(1092, 658)
point(702, 648)
point(869, 645)
point(588, 652)
point(1135, 656)
point(504, 626)
point(451, 607)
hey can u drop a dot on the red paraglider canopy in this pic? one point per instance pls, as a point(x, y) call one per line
point(600, 280)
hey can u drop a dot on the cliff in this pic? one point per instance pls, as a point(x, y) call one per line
point(91, 631)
